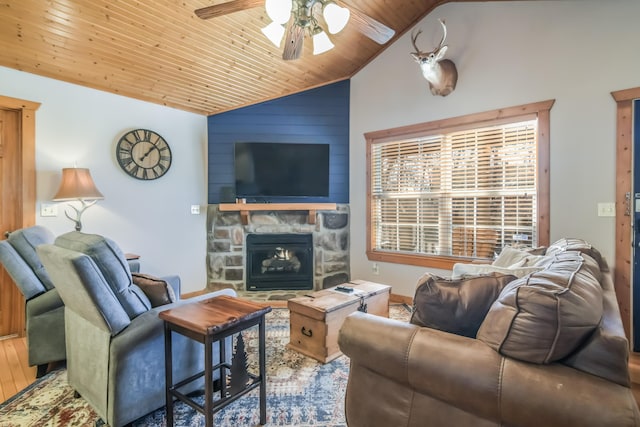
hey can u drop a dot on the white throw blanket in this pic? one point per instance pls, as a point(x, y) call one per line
point(510, 261)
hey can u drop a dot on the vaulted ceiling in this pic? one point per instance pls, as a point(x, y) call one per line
point(160, 51)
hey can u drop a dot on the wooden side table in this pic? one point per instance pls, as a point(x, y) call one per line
point(207, 322)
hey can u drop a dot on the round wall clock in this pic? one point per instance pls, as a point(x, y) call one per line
point(143, 154)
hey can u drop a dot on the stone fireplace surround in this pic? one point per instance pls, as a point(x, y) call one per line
point(226, 237)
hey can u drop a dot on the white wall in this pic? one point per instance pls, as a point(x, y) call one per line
point(81, 126)
point(507, 54)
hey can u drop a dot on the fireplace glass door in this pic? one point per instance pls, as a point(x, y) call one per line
point(279, 261)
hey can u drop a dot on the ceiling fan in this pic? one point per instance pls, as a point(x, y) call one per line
point(311, 16)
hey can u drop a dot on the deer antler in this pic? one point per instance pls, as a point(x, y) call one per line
point(444, 36)
point(413, 41)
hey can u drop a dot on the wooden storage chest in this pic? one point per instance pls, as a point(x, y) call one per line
point(315, 319)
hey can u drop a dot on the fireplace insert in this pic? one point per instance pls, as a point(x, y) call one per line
point(279, 261)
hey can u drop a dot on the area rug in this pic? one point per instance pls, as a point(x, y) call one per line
point(300, 391)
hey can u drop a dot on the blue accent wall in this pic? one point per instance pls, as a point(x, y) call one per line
point(317, 116)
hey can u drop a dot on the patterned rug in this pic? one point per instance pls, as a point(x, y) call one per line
point(300, 391)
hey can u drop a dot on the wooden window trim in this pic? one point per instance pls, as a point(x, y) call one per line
point(541, 110)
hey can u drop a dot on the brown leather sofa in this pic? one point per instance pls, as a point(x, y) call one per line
point(537, 358)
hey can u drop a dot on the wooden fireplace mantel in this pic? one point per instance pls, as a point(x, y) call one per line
point(245, 208)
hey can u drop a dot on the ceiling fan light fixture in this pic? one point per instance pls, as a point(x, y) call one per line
point(274, 32)
point(321, 43)
point(278, 10)
point(336, 17)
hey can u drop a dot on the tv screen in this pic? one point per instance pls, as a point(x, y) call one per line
point(268, 170)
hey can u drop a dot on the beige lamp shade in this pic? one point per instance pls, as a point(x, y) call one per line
point(77, 184)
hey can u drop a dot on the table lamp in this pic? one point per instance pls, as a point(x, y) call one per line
point(77, 184)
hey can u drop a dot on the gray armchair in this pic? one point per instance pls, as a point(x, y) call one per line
point(115, 340)
point(44, 308)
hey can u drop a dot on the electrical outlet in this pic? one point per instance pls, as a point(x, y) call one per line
point(48, 210)
point(195, 209)
point(375, 268)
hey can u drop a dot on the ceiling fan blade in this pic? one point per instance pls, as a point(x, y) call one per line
point(294, 40)
point(375, 30)
point(226, 8)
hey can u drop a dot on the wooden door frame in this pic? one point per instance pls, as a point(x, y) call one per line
point(624, 202)
point(27, 169)
point(25, 211)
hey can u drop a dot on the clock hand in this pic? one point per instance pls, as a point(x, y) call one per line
point(147, 153)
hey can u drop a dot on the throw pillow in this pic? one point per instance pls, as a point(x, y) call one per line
point(544, 317)
point(157, 290)
point(457, 306)
point(462, 270)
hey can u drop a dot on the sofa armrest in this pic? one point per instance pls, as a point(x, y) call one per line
point(379, 343)
point(454, 369)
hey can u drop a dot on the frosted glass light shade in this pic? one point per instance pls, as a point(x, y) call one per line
point(336, 17)
point(274, 32)
point(278, 10)
point(321, 43)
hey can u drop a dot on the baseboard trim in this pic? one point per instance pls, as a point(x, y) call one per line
point(401, 299)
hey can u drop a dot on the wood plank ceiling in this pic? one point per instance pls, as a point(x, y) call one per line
point(159, 51)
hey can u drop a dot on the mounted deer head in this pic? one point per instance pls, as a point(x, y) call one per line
point(441, 74)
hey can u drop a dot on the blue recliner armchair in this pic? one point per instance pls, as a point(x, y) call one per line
point(44, 309)
point(115, 340)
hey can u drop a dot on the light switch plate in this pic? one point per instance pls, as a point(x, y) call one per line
point(606, 209)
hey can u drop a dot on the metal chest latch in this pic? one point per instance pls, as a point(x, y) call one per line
point(363, 306)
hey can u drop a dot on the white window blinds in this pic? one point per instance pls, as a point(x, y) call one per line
point(462, 193)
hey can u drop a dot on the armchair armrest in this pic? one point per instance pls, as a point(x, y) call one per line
point(44, 303)
point(148, 324)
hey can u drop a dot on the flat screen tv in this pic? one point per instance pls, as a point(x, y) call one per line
point(265, 170)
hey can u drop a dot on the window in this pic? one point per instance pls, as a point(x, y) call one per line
point(458, 189)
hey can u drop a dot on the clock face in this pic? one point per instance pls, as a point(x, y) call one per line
point(143, 154)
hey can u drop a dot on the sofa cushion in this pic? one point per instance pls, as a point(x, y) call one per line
point(456, 305)
point(544, 317)
point(157, 290)
point(582, 246)
point(113, 265)
point(25, 241)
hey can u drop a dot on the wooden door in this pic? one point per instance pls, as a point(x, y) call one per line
point(11, 301)
point(17, 196)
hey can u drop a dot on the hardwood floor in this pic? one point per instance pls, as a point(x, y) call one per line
point(15, 372)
